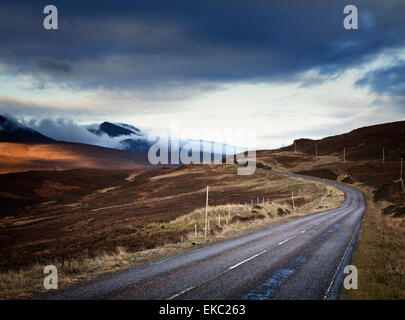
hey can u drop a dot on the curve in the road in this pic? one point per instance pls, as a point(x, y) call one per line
point(299, 259)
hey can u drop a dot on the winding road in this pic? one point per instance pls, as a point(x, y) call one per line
point(299, 259)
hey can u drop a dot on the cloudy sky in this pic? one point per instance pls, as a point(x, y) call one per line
point(288, 69)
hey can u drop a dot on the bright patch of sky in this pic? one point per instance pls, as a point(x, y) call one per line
point(309, 105)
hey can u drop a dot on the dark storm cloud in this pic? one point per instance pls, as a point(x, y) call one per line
point(388, 80)
point(162, 44)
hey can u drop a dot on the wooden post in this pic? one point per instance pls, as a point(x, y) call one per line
point(195, 230)
point(219, 219)
point(401, 179)
point(206, 217)
point(344, 154)
point(292, 198)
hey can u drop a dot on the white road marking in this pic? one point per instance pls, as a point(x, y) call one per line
point(288, 239)
point(180, 293)
point(280, 243)
point(340, 264)
point(252, 257)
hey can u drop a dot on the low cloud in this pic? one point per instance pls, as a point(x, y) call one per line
point(67, 130)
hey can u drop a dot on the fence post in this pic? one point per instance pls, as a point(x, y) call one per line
point(401, 179)
point(206, 217)
point(292, 198)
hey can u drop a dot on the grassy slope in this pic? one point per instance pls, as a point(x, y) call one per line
point(176, 235)
point(379, 257)
point(19, 157)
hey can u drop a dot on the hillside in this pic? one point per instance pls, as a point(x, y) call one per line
point(363, 161)
point(88, 212)
point(16, 157)
point(360, 144)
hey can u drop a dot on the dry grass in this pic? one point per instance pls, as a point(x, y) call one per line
point(286, 161)
point(28, 282)
point(231, 220)
point(235, 220)
point(226, 218)
point(97, 210)
point(379, 257)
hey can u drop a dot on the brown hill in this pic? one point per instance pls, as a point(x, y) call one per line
point(17, 157)
point(75, 213)
point(364, 158)
point(360, 144)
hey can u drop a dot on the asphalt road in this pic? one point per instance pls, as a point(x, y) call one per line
point(299, 259)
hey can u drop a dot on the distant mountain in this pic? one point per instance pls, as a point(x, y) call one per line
point(11, 131)
point(118, 136)
point(115, 130)
point(136, 140)
point(133, 139)
point(24, 149)
point(131, 128)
